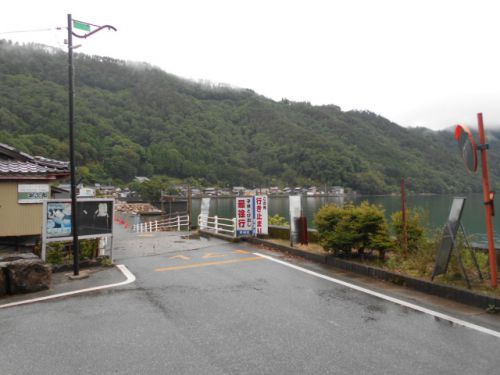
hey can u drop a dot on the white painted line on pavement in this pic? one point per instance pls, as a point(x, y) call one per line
point(388, 298)
point(129, 275)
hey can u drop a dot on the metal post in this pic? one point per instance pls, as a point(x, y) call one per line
point(403, 217)
point(488, 201)
point(74, 224)
point(189, 202)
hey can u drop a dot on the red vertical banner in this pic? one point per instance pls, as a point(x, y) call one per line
point(244, 216)
point(261, 214)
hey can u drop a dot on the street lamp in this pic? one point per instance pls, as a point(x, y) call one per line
point(85, 27)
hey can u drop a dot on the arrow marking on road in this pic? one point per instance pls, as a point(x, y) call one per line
point(241, 252)
point(206, 264)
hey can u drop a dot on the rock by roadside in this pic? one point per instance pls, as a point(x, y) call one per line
point(23, 273)
point(3, 280)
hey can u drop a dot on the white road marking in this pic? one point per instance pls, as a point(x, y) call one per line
point(129, 275)
point(388, 298)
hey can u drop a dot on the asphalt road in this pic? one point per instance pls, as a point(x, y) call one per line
point(217, 308)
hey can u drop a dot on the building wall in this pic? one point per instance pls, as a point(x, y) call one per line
point(18, 219)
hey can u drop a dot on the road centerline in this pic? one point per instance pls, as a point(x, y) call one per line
point(206, 264)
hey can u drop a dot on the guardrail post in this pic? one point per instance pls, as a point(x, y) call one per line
point(234, 227)
point(156, 225)
point(178, 223)
point(216, 224)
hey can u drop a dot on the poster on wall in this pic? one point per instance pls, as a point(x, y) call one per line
point(32, 193)
point(94, 217)
point(244, 216)
point(261, 214)
point(58, 216)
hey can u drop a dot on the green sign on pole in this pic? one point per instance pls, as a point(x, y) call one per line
point(81, 25)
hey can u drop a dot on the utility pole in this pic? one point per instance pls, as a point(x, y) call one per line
point(71, 78)
point(71, 94)
point(488, 197)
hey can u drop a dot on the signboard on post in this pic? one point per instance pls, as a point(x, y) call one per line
point(244, 216)
point(261, 214)
point(95, 219)
point(449, 236)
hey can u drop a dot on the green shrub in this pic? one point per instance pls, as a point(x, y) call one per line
point(342, 229)
point(416, 236)
point(278, 220)
point(62, 253)
point(89, 248)
point(56, 253)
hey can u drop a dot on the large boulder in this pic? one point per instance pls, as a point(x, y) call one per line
point(18, 256)
point(3, 279)
point(28, 275)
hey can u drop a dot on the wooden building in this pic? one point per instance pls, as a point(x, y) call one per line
point(25, 181)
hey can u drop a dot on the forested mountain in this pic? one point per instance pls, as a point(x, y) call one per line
point(135, 119)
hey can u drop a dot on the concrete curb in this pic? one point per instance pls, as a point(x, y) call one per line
point(219, 236)
point(455, 294)
point(130, 278)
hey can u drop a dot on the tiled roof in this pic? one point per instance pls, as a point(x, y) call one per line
point(14, 163)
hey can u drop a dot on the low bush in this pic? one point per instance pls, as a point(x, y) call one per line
point(347, 228)
point(61, 252)
point(278, 220)
point(415, 229)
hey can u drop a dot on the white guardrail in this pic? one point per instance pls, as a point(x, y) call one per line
point(217, 224)
point(173, 223)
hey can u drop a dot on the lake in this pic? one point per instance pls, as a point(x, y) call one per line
point(437, 207)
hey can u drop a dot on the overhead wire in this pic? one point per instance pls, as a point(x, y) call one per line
point(30, 31)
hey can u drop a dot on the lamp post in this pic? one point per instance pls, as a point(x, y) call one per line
point(74, 222)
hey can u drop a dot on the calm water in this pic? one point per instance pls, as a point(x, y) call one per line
point(437, 206)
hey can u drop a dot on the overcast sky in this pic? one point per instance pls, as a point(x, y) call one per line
point(417, 63)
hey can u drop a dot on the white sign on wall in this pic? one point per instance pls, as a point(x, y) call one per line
point(32, 193)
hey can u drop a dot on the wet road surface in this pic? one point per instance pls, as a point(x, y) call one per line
point(209, 307)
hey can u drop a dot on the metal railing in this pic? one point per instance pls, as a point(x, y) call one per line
point(217, 225)
point(171, 224)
